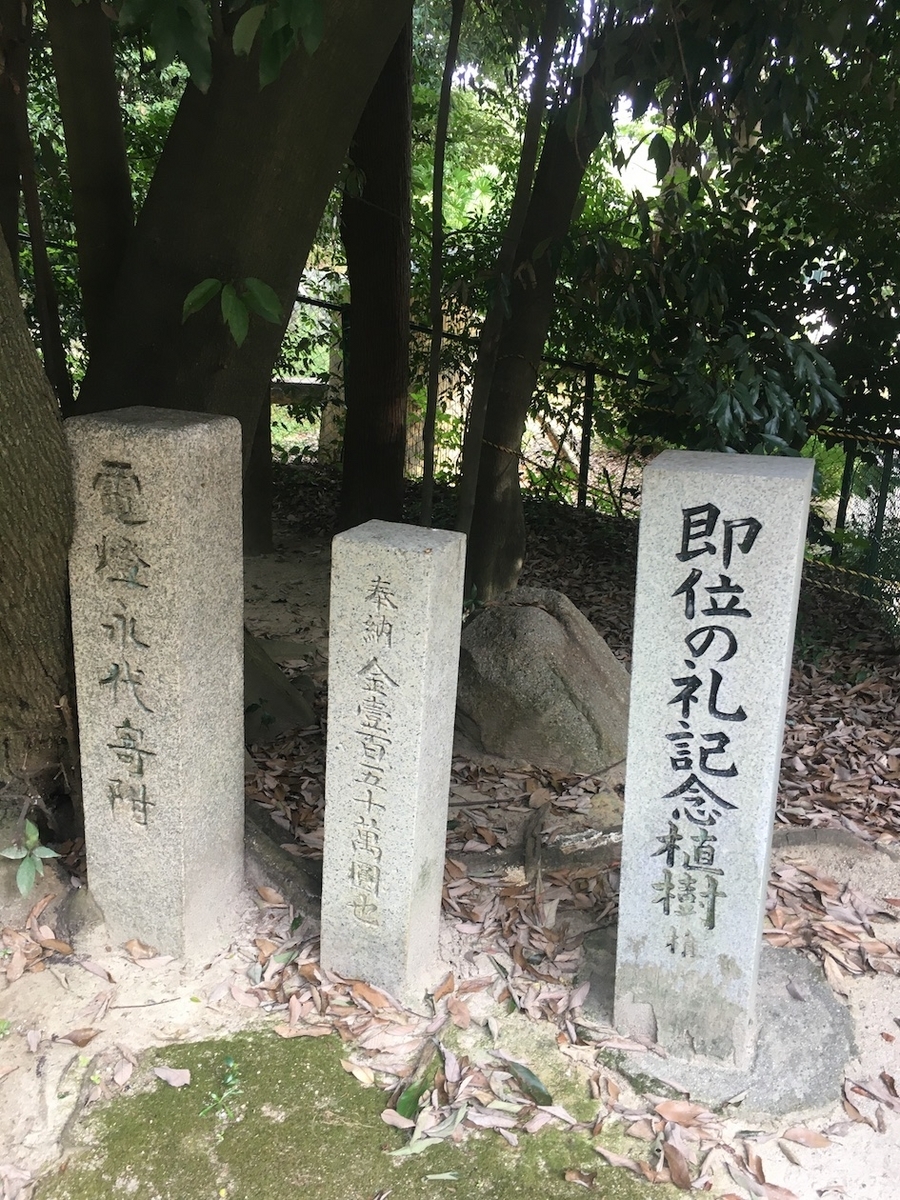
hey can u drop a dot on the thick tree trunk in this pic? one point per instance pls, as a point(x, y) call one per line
point(95, 149)
point(36, 502)
point(12, 42)
point(238, 192)
point(375, 230)
point(496, 546)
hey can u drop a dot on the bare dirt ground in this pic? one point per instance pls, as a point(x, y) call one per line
point(80, 1010)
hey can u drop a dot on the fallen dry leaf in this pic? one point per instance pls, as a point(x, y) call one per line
point(139, 950)
point(683, 1112)
point(176, 1077)
point(270, 897)
point(78, 1037)
point(618, 1160)
point(445, 988)
point(580, 1177)
point(247, 999)
point(122, 1072)
point(96, 969)
point(54, 944)
point(33, 1040)
point(390, 1116)
point(291, 1031)
point(677, 1164)
point(806, 1137)
point(459, 1012)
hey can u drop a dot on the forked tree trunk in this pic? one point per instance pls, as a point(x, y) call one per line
point(36, 503)
point(375, 230)
point(496, 546)
point(239, 191)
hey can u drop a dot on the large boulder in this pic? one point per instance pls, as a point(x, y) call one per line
point(538, 684)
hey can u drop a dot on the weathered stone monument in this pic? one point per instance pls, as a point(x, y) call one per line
point(396, 609)
point(719, 563)
point(157, 619)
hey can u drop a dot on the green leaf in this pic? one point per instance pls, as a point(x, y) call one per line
point(44, 852)
point(261, 299)
point(311, 24)
point(25, 875)
point(246, 28)
point(235, 314)
point(409, 1099)
point(32, 835)
point(659, 151)
point(199, 296)
point(529, 1083)
point(14, 852)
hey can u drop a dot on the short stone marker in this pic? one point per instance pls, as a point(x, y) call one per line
point(396, 610)
point(157, 617)
point(719, 563)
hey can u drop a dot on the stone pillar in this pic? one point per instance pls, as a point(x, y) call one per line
point(719, 562)
point(396, 609)
point(157, 600)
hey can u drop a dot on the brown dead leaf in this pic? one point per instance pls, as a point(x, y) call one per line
point(139, 950)
point(459, 1012)
point(618, 1160)
point(266, 948)
point(54, 944)
point(33, 1040)
point(122, 1072)
point(806, 1137)
point(641, 1129)
point(78, 1037)
point(677, 1164)
point(96, 969)
point(370, 995)
point(583, 1178)
point(270, 897)
point(247, 999)
point(7, 1069)
point(15, 968)
point(683, 1112)
point(445, 988)
point(176, 1077)
point(365, 1075)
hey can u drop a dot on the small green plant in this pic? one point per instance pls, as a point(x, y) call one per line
point(218, 1101)
point(5, 1027)
point(254, 296)
point(32, 854)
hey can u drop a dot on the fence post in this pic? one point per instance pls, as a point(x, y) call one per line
point(846, 487)
point(874, 554)
point(587, 423)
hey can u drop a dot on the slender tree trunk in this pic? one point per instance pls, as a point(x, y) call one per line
point(375, 228)
point(239, 191)
point(489, 341)
point(12, 44)
point(257, 495)
point(95, 149)
point(35, 480)
point(496, 546)
point(436, 297)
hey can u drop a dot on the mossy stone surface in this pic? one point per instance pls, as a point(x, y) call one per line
point(303, 1126)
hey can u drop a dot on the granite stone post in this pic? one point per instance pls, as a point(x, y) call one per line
point(396, 609)
point(719, 562)
point(157, 617)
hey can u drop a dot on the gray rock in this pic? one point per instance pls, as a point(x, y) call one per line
point(538, 684)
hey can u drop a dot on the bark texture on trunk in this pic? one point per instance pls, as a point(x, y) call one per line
point(496, 546)
point(95, 149)
point(239, 191)
point(375, 230)
point(36, 503)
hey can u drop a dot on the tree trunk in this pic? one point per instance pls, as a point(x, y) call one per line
point(36, 502)
point(257, 494)
point(239, 191)
point(496, 547)
point(375, 228)
point(12, 42)
point(435, 271)
point(95, 149)
point(489, 340)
